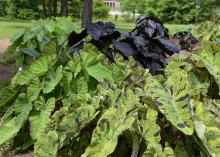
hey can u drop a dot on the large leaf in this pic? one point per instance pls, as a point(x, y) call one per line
point(6, 95)
point(206, 128)
point(47, 146)
point(105, 136)
point(37, 68)
point(72, 123)
point(53, 79)
point(34, 89)
point(39, 119)
point(10, 128)
point(150, 130)
point(172, 100)
point(95, 69)
point(209, 56)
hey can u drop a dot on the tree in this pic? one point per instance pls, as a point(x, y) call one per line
point(64, 8)
point(87, 13)
point(55, 8)
point(49, 6)
point(100, 10)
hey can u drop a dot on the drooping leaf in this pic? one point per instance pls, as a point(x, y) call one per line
point(173, 101)
point(37, 68)
point(150, 130)
point(96, 69)
point(100, 29)
point(30, 52)
point(206, 129)
point(105, 136)
point(6, 95)
point(75, 37)
point(209, 56)
point(125, 49)
point(10, 128)
point(33, 90)
point(53, 79)
point(39, 118)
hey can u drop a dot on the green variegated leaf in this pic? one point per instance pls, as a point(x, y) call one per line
point(150, 130)
point(47, 146)
point(151, 152)
point(53, 79)
point(206, 129)
point(209, 56)
point(37, 68)
point(34, 89)
point(39, 119)
point(10, 128)
point(75, 121)
point(105, 137)
point(72, 123)
point(173, 101)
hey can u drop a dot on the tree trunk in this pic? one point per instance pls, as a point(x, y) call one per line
point(50, 3)
point(44, 8)
point(64, 8)
point(55, 8)
point(87, 13)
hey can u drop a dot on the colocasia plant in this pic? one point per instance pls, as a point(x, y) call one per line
point(97, 105)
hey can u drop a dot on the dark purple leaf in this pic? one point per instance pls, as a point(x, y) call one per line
point(169, 46)
point(124, 48)
point(76, 48)
point(75, 37)
point(100, 29)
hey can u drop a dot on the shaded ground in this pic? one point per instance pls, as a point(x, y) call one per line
point(5, 71)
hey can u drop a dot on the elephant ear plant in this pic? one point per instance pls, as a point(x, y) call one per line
point(91, 104)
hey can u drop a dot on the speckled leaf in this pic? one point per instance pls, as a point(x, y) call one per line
point(209, 56)
point(105, 137)
point(206, 128)
point(47, 146)
point(172, 100)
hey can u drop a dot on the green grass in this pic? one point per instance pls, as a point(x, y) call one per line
point(9, 27)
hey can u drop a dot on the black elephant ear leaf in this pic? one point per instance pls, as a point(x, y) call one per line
point(150, 31)
point(154, 67)
point(100, 29)
point(30, 52)
point(110, 55)
point(140, 19)
point(75, 37)
point(169, 46)
point(140, 42)
point(124, 48)
point(152, 23)
point(76, 48)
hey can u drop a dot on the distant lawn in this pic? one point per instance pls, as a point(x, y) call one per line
point(9, 27)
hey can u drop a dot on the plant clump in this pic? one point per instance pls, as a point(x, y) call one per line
point(148, 43)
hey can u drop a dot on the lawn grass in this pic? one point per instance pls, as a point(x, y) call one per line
point(9, 27)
